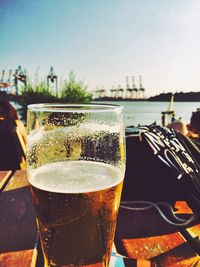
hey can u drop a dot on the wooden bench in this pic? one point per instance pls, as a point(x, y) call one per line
point(146, 246)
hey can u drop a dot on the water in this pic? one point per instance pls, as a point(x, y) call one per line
point(17, 107)
point(142, 112)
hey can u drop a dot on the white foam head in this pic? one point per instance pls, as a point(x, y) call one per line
point(75, 176)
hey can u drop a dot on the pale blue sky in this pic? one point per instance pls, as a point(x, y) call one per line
point(105, 40)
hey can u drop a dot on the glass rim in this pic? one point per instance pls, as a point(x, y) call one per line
point(76, 108)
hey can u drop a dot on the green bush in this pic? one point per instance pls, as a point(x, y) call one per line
point(34, 94)
point(38, 94)
point(74, 91)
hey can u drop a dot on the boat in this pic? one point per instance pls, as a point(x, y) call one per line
point(169, 112)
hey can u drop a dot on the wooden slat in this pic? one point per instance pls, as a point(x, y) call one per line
point(194, 230)
point(3, 174)
point(21, 258)
point(145, 235)
point(147, 248)
point(4, 178)
point(118, 260)
point(182, 208)
point(182, 256)
point(18, 180)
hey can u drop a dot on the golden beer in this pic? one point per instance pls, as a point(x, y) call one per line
point(76, 205)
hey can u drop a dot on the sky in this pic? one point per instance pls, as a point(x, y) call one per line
point(103, 41)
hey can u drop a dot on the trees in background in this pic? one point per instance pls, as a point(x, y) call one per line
point(72, 91)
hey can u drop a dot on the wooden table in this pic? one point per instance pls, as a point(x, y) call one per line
point(148, 244)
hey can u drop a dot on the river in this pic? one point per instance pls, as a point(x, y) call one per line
point(144, 112)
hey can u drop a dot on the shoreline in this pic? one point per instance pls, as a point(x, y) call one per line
point(140, 100)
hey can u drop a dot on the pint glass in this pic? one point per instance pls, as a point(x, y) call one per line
point(75, 166)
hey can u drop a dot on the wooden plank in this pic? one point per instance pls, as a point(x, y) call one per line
point(18, 180)
point(182, 256)
point(4, 178)
point(194, 230)
point(163, 251)
point(18, 228)
point(182, 208)
point(150, 247)
point(21, 258)
point(118, 260)
point(3, 174)
point(146, 235)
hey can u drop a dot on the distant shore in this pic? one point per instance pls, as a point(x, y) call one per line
point(120, 99)
point(164, 97)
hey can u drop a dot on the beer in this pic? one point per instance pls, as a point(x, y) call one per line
point(76, 205)
point(76, 164)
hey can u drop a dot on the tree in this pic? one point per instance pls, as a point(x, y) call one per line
point(36, 94)
point(74, 91)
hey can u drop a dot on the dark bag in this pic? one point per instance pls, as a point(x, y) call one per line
point(162, 165)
